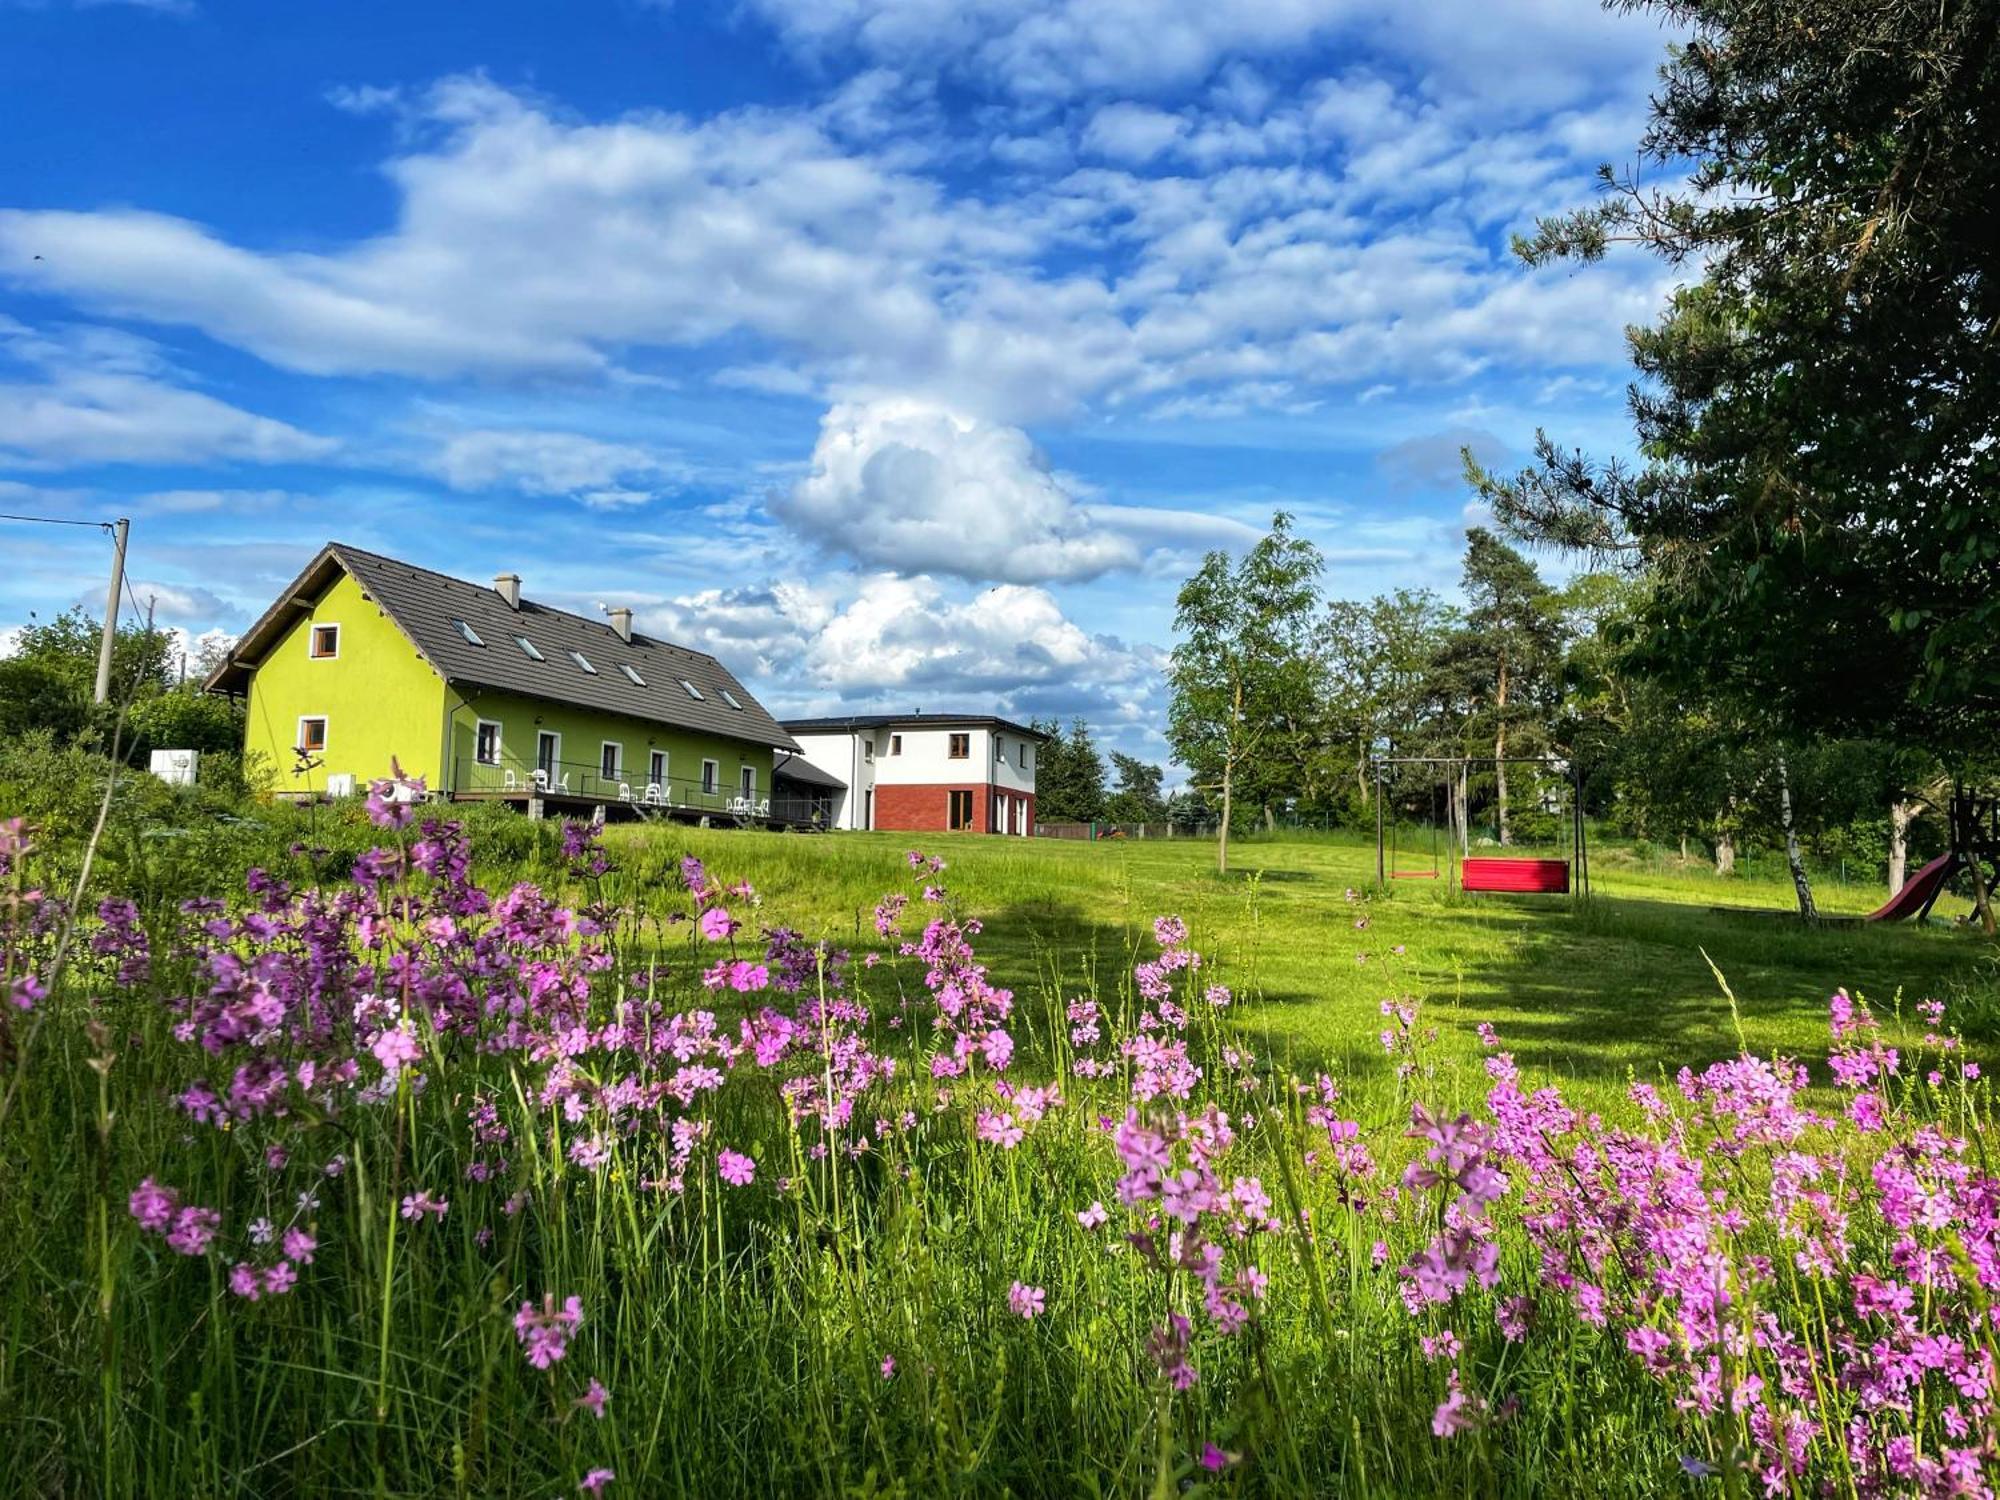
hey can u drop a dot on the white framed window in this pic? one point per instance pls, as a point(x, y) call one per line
point(471, 635)
point(656, 768)
point(312, 733)
point(323, 642)
point(583, 661)
point(486, 742)
point(610, 759)
point(746, 780)
point(529, 649)
point(692, 691)
point(1000, 749)
point(631, 674)
point(868, 747)
point(711, 776)
point(548, 753)
point(730, 698)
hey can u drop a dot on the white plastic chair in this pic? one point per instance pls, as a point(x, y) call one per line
point(541, 779)
point(507, 781)
point(624, 791)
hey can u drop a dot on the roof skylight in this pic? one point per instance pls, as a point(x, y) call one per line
point(632, 672)
point(583, 661)
point(692, 691)
point(730, 698)
point(528, 648)
point(471, 635)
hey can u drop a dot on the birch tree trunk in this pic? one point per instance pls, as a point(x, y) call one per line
point(1500, 754)
point(1229, 750)
point(1725, 853)
point(1793, 858)
point(1900, 815)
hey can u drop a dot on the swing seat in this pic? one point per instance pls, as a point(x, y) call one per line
point(1413, 874)
point(1542, 877)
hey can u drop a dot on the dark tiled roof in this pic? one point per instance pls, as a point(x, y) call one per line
point(845, 723)
point(424, 605)
point(793, 768)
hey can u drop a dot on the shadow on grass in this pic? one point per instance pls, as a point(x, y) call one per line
point(1625, 985)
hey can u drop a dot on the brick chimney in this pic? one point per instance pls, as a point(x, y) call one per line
point(621, 621)
point(508, 587)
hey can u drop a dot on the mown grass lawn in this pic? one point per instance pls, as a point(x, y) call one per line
point(1589, 993)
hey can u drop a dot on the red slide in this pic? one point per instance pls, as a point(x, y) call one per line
point(1918, 892)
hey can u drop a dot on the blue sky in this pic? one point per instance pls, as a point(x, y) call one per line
point(905, 353)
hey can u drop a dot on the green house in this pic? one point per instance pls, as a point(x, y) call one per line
point(364, 660)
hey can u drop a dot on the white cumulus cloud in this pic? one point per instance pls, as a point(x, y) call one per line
point(907, 484)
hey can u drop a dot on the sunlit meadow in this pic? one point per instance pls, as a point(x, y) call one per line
point(390, 1177)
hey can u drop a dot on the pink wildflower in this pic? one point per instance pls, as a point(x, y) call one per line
point(544, 1331)
point(595, 1480)
point(153, 1206)
point(396, 1048)
point(715, 924)
point(593, 1399)
point(1027, 1301)
point(1093, 1216)
point(417, 1205)
point(888, 1366)
point(734, 1168)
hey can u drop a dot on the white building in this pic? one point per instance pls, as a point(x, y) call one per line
point(973, 773)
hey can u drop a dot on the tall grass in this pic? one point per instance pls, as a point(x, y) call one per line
point(842, 1324)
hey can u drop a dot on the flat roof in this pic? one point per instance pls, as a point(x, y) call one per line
point(848, 723)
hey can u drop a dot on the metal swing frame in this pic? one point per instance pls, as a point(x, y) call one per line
point(1576, 877)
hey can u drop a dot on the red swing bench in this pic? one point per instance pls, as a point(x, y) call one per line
point(1539, 877)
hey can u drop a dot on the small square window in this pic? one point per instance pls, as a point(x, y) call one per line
point(471, 635)
point(632, 673)
point(692, 691)
point(961, 746)
point(529, 649)
point(730, 698)
point(312, 734)
point(325, 642)
point(486, 743)
point(583, 661)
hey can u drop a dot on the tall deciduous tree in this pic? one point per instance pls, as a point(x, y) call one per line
point(1243, 674)
point(1509, 656)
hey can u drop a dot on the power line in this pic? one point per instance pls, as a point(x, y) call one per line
point(57, 521)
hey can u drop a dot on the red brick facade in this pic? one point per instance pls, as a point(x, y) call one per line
point(927, 809)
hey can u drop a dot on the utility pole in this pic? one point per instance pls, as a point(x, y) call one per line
point(119, 529)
